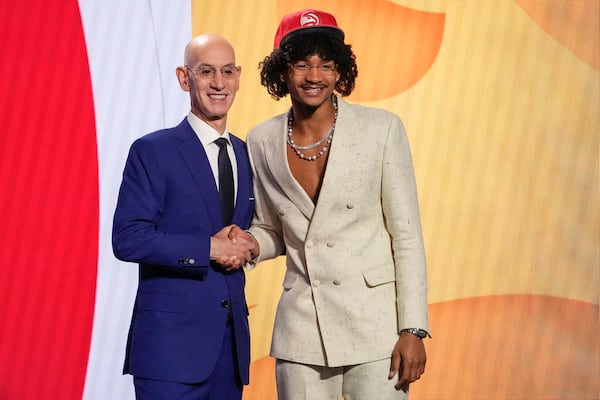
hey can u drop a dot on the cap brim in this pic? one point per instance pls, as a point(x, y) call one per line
point(301, 31)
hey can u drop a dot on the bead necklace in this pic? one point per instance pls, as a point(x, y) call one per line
point(327, 137)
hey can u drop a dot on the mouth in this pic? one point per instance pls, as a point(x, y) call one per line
point(313, 90)
point(217, 97)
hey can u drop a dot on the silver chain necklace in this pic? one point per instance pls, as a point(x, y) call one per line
point(327, 137)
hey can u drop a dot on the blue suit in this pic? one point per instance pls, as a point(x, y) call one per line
point(168, 208)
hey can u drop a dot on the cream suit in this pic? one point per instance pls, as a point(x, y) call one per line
point(355, 266)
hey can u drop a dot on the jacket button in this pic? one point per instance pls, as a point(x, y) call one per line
point(349, 206)
point(337, 282)
point(192, 261)
point(316, 283)
point(225, 304)
point(330, 244)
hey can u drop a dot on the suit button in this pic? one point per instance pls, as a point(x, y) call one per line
point(316, 283)
point(192, 261)
point(330, 244)
point(337, 282)
point(225, 304)
point(349, 206)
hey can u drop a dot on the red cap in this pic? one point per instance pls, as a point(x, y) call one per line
point(303, 20)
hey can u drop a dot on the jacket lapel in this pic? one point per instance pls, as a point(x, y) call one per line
point(341, 154)
point(195, 158)
point(244, 189)
point(276, 156)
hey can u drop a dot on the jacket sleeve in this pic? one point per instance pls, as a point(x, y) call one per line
point(141, 231)
point(266, 225)
point(401, 211)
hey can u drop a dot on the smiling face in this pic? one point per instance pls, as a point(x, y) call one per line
point(311, 82)
point(211, 93)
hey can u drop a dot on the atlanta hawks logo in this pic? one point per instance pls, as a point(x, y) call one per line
point(309, 19)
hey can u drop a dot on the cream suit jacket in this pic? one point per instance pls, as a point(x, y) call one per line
point(355, 265)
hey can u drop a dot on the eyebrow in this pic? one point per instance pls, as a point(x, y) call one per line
point(212, 66)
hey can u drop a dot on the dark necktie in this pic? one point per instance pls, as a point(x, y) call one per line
point(225, 181)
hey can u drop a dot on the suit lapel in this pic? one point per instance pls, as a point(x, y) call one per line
point(195, 158)
point(244, 190)
point(276, 156)
point(346, 140)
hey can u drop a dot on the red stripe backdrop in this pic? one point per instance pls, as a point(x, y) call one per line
point(49, 201)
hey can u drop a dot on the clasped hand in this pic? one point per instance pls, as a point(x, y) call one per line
point(232, 247)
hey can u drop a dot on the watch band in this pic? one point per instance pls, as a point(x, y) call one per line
point(420, 333)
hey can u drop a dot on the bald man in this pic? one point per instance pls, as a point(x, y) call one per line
point(182, 187)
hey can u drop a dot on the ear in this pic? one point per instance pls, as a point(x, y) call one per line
point(182, 77)
point(237, 85)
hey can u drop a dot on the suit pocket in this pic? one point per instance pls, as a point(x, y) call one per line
point(161, 302)
point(379, 276)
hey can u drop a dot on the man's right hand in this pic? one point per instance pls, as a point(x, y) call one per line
point(231, 250)
point(236, 234)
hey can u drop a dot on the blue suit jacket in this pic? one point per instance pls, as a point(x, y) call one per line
point(168, 208)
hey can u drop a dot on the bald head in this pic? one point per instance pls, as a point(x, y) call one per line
point(206, 44)
point(211, 77)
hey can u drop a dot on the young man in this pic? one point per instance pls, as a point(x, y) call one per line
point(335, 192)
point(181, 189)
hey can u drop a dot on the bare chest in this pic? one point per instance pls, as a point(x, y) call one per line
point(309, 174)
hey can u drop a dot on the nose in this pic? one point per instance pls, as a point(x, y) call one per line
point(218, 81)
point(314, 74)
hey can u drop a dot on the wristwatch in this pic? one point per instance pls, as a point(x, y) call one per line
point(420, 333)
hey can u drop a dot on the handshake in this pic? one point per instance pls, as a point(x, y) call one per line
point(233, 247)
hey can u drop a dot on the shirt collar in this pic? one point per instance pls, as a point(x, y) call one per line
point(206, 133)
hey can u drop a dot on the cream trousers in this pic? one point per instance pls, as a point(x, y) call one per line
point(356, 382)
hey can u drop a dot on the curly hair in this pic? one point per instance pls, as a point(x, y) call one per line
point(300, 46)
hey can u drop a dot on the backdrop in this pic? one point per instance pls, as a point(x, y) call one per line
point(501, 101)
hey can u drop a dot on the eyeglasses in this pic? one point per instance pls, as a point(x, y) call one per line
point(209, 72)
point(302, 68)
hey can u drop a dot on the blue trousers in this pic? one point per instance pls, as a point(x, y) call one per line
point(223, 384)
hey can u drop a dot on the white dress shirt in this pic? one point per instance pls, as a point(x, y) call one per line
point(207, 136)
